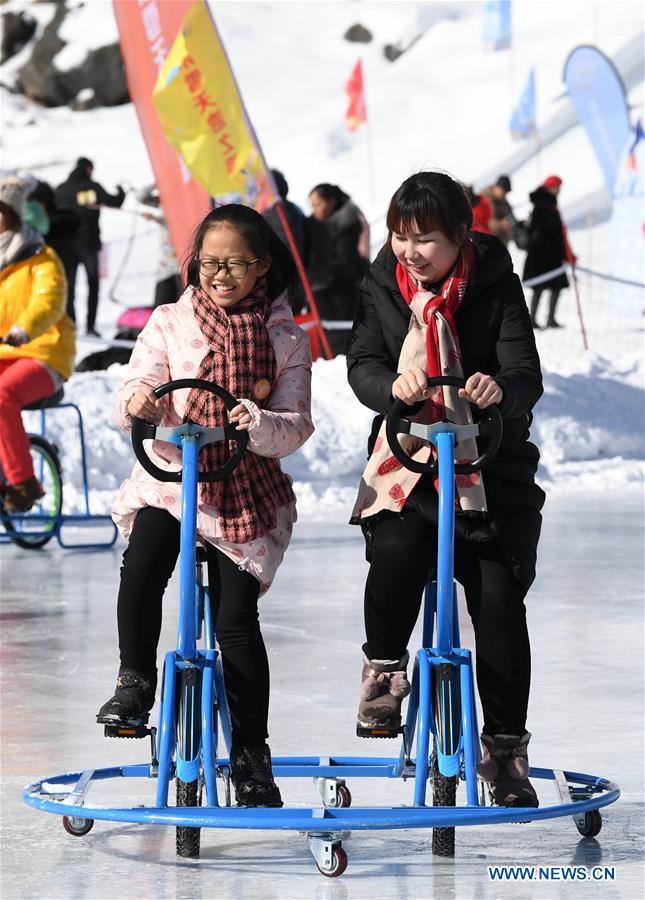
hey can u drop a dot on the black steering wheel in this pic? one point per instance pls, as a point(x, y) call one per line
point(142, 430)
point(487, 424)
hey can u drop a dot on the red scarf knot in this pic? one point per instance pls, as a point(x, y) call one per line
point(446, 304)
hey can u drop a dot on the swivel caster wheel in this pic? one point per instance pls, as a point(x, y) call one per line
point(334, 792)
point(338, 864)
point(327, 850)
point(591, 824)
point(343, 798)
point(77, 826)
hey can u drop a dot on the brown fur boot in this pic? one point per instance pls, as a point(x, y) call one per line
point(384, 685)
point(505, 768)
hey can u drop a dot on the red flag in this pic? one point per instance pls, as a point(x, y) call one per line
point(356, 111)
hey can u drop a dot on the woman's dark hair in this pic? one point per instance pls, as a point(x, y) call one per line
point(262, 241)
point(430, 201)
point(12, 219)
point(43, 193)
point(330, 192)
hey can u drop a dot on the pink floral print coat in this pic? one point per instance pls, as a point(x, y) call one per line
point(172, 346)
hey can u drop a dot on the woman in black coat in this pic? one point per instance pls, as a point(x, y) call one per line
point(430, 249)
point(334, 262)
point(547, 248)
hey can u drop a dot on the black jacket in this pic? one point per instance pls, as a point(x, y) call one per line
point(496, 338)
point(85, 197)
point(334, 265)
point(546, 247)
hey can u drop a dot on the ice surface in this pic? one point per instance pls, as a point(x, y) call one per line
point(59, 662)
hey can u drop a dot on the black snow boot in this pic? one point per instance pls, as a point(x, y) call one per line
point(133, 699)
point(505, 768)
point(252, 776)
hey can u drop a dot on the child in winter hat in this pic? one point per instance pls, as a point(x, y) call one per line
point(14, 191)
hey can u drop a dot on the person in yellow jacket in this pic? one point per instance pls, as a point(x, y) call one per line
point(37, 338)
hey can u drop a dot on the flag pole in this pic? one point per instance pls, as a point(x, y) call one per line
point(303, 277)
point(369, 144)
point(576, 294)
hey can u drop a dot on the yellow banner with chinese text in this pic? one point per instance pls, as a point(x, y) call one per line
point(203, 117)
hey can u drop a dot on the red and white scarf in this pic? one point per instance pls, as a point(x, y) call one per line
point(431, 344)
point(240, 359)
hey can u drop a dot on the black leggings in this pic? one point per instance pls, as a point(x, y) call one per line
point(402, 552)
point(148, 563)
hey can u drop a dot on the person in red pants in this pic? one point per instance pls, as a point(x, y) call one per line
point(37, 339)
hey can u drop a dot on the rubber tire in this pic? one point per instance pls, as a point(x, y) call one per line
point(42, 448)
point(444, 793)
point(188, 839)
point(343, 797)
point(593, 824)
point(77, 832)
point(339, 864)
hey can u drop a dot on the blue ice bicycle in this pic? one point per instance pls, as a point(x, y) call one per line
point(439, 745)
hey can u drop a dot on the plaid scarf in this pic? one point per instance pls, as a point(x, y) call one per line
point(431, 344)
point(240, 359)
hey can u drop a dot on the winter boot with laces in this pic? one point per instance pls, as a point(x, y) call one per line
point(252, 776)
point(505, 768)
point(133, 699)
point(384, 685)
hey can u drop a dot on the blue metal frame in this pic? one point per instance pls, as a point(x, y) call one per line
point(456, 709)
point(56, 524)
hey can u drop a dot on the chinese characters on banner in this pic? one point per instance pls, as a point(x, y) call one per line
point(203, 118)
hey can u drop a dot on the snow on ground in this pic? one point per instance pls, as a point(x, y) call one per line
point(445, 103)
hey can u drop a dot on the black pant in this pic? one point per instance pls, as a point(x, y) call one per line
point(72, 257)
point(148, 563)
point(402, 552)
point(553, 303)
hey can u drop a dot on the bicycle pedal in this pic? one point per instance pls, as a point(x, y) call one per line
point(127, 731)
point(378, 731)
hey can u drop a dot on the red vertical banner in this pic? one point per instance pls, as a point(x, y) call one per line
point(147, 30)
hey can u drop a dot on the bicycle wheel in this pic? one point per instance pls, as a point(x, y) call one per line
point(188, 839)
point(37, 527)
point(189, 736)
point(444, 793)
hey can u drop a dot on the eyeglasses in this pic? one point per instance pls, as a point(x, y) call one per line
point(236, 268)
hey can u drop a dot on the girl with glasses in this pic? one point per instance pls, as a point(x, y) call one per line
point(233, 326)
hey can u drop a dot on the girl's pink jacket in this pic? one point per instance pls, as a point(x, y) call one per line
point(172, 346)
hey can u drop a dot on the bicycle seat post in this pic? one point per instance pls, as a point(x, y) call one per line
point(445, 442)
point(187, 626)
